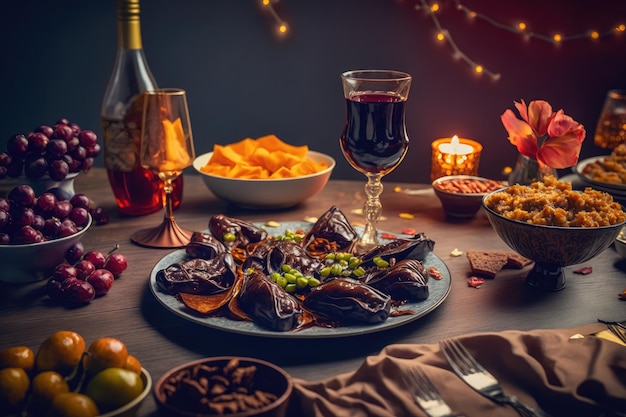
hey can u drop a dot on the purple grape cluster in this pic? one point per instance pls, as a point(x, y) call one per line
point(26, 218)
point(55, 151)
point(84, 275)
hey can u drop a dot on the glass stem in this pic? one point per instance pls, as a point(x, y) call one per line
point(167, 199)
point(372, 211)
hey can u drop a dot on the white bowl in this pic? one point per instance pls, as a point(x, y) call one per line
point(34, 261)
point(266, 193)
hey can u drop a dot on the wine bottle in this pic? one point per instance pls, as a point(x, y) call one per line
point(137, 191)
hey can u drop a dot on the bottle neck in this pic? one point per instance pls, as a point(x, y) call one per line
point(128, 25)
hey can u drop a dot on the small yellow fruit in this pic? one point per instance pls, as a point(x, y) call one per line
point(17, 357)
point(60, 352)
point(73, 404)
point(14, 385)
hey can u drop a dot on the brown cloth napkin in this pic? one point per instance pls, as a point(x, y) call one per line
point(546, 369)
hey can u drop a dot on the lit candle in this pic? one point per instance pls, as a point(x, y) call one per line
point(455, 147)
point(455, 156)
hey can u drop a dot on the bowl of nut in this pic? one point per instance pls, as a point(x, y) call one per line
point(237, 386)
point(37, 231)
point(554, 225)
point(461, 195)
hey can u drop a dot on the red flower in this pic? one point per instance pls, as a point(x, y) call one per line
point(553, 139)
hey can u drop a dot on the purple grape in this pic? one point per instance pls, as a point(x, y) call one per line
point(84, 268)
point(58, 170)
point(100, 215)
point(87, 164)
point(97, 258)
point(5, 219)
point(54, 289)
point(88, 138)
point(5, 204)
point(75, 253)
point(80, 216)
point(63, 271)
point(46, 202)
point(62, 209)
point(79, 153)
point(22, 195)
point(56, 148)
point(38, 222)
point(37, 142)
point(75, 128)
point(80, 200)
point(3, 172)
point(68, 228)
point(17, 145)
point(5, 159)
point(63, 132)
point(5, 239)
point(46, 130)
point(94, 150)
point(22, 216)
point(51, 228)
point(62, 121)
point(72, 143)
point(35, 167)
point(26, 234)
point(77, 292)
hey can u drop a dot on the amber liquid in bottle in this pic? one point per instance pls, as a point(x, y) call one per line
point(137, 191)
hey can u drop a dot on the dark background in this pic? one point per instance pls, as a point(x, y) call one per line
point(244, 81)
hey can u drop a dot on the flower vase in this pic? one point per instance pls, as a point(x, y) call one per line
point(528, 170)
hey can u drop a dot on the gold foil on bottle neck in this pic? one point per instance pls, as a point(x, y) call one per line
point(128, 24)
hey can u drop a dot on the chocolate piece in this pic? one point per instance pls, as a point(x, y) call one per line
point(407, 280)
point(199, 276)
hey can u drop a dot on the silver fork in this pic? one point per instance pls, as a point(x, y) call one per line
point(481, 380)
point(426, 394)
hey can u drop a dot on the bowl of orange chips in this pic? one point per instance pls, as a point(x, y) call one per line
point(264, 173)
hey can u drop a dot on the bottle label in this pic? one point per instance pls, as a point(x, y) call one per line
point(121, 144)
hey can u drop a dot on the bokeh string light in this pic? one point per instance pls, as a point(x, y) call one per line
point(281, 25)
point(521, 28)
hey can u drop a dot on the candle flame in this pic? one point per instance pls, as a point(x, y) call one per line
point(455, 141)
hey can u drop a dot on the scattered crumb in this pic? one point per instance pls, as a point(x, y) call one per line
point(586, 270)
point(408, 216)
point(357, 211)
point(434, 273)
point(272, 223)
point(622, 295)
point(577, 336)
point(475, 282)
point(456, 252)
point(388, 236)
point(409, 231)
point(310, 219)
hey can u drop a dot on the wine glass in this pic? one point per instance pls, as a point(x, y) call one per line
point(611, 128)
point(374, 139)
point(166, 149)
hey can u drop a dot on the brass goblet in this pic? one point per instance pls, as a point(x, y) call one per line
point(166, 149)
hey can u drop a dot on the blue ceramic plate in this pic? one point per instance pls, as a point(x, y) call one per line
point(438, 290)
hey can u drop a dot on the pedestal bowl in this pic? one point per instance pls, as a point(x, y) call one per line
point(551, 247)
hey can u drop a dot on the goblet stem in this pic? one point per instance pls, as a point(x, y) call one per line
point(372, 211)
point(168, 234)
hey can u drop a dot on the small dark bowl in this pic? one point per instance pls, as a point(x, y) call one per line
point(460, 204)
point(551, 247)
point(268, 378)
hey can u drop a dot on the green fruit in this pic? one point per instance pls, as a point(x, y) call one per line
point(113, 388)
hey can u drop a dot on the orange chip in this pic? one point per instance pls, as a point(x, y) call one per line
point(265, 157)
point(206, 304)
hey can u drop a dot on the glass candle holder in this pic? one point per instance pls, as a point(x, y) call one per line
point(454, 156)
point(611, 129)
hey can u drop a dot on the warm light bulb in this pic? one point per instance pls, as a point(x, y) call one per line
point(521, 26)
point(472, 14)
point(440, 36)
point(434, 7)
point(479, 69)
point(557, 37)
point(282, 28)
point(266, 2)
point(594, 34)
point(621, 28)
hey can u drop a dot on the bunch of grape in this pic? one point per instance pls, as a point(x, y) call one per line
point(84, 276)
point(55, 151)
point(26, 218)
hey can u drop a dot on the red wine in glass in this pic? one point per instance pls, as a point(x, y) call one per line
point(374, 139)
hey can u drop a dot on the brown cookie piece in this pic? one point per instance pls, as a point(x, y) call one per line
point(486, 263)
point(516, 261)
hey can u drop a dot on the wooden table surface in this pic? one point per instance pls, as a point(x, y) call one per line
point(162, 340)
